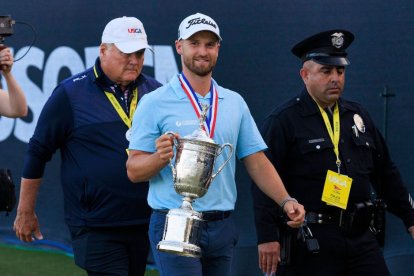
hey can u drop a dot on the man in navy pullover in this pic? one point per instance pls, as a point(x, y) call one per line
point(88, 118)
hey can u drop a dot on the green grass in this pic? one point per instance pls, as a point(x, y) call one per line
point(19, 262)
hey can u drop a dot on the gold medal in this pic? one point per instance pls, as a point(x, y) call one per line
point(359, 123)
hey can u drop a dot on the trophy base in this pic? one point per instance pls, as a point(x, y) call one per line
point(181, 233)
point(179, 248)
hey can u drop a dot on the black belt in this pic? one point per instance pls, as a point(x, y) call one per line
point(325, 218)
point(215, 215)
point(206, 215)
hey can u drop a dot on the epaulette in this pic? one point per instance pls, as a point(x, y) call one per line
point(285, 105)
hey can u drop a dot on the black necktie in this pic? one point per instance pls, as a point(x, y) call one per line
point(330, 115)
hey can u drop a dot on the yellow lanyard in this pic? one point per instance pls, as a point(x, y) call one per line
point(334, 134)
point(127, 120)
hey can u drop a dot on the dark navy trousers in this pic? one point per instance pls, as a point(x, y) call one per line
point(119, 251)
point(217, 242)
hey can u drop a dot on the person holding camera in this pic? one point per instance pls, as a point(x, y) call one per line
point(13, 101)
point(330, 155)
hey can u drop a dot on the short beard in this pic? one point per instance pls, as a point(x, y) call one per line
point(202, 72)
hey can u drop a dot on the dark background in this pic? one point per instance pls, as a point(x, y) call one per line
point(255, 60)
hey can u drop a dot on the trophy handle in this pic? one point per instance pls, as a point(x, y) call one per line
point(174, 172)
point(225, 162)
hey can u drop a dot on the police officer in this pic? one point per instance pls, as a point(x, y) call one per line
point(329, 155)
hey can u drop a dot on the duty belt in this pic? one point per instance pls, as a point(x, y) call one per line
point(325, 218)
point(352, 222)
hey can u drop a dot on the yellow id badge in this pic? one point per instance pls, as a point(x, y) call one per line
point(336, 190)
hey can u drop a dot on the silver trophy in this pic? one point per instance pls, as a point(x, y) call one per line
point(192, 175)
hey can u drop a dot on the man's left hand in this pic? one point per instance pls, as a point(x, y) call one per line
point(296, 214)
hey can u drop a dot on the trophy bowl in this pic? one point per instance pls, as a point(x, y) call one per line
point(194, 164)
point(192, 174)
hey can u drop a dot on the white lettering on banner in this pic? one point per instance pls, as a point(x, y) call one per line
point(162, 60)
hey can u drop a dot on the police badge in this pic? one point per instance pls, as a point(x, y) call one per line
point(359, 123)
point(337, 40)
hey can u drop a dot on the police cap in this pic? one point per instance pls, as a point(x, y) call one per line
point(327, 48)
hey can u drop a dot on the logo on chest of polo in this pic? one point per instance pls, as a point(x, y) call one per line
point(183, 123)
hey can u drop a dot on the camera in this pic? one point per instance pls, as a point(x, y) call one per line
point(6, 27)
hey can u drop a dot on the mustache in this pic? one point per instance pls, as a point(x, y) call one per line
point(335, 85)
point(131, 67)
point(202, 57)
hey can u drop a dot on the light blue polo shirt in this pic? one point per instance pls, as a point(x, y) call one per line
point(169, 109)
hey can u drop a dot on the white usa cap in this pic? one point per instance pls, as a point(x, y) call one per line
point(196, 23)
point(127, 33)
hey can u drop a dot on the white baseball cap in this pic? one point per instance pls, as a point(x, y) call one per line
point(127, 33)
point(196, 23)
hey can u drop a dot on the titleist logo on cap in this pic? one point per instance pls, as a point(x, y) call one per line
point(196, 23)
point(198, 20)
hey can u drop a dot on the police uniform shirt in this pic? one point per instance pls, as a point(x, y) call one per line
point(301, 150)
